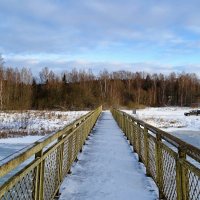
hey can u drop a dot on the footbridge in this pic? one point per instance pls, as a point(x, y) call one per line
point(104, 155)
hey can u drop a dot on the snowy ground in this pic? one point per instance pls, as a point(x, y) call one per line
point(29, 123)
point(172, 120)
point(107, 169)
point(34, 122)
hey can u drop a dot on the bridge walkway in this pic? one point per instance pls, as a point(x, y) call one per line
point(107, 168)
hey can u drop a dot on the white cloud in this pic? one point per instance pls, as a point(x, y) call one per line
point(60, 64)
point(58, 31)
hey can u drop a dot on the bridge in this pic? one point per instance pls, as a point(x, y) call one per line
point(113, 147)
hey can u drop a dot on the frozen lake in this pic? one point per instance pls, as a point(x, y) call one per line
point(10, 146)
point(8, 149)
point(191, 137)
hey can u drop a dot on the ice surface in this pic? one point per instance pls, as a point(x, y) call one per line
point(107, 169)
point(21, 140)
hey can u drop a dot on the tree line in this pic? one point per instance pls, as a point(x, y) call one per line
point(80, 89)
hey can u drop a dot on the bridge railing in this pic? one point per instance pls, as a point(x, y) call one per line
point(172, 163)
point(51, 160)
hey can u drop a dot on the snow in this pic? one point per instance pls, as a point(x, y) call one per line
point(29, 122)
point(172, 120)
point(35, 122)
point(107, 168)
point(168, 117)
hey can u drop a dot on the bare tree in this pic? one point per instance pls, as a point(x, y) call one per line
point(44, 75)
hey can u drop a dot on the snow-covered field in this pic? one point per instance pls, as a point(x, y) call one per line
point(172, 120)
point(18, 130)
point(35, 122)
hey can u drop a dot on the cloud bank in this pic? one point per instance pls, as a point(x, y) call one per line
point(61, 32)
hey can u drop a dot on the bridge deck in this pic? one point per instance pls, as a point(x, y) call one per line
point(107, 169)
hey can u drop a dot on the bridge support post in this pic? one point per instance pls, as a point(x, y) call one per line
point(123, 124)
point(59, 165)
point(69, 159)
point(131, 133)
point(121, 121)
point(127, 128)
point(146, 150)
point(182, 176)
point(139, 142)
point(60, 159)
point(39, 180)
point(159, 168)
point(134, 136)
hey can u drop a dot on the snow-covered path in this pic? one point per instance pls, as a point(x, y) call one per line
point(107, 169)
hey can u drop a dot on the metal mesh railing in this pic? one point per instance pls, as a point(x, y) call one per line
point(52, 160)
point(152, 157)
point(51, 173)
point(142, 144)
point(22, 187)
point(172, 163)
point(192, 183)
point(169, 173)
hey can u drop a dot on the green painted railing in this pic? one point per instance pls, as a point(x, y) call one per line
point(172, 163)
point(52, 159)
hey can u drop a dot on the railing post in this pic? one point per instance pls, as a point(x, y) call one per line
point(59, 163)
point(124, 125)
point(122, 117)
point(139, 142)
point(60, 157)
point(131, 132)
point(159, 169)
point(182, 177)
point(79, 140)
point(77, 133)
point(82, 136)
point(146, 150)
point(134, 137)
point(69, 157)
point(127, 128)
point(39, 180)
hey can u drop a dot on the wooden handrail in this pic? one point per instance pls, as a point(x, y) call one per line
point(54, 156)
point(172, 163)
point(168, 137)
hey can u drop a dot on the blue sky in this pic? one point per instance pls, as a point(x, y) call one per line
point(145, 35)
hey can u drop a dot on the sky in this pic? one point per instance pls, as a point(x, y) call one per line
point(136, 35)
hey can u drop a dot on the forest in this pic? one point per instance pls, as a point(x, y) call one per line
point(80, 89)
